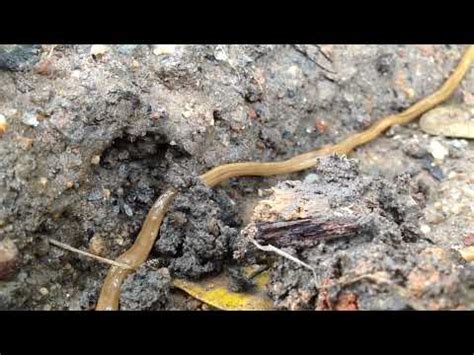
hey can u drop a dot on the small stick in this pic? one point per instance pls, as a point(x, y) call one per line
point(93, 256)
point(51, 50)
point(271, 248)
point(303, 52)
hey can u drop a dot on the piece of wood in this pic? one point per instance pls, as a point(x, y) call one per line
point(305, 232)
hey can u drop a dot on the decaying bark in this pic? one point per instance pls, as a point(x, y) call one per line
point(294, 216)
point(305, 232)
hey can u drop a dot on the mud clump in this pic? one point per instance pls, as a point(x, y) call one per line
point(18, 57)
point(146, 289)
point(387, 264)
point(198, 233)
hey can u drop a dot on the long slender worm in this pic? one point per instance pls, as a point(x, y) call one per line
point(136, 255)
point(307, 160)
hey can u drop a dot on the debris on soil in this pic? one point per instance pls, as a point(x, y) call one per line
point(387, 239)
point(92, 142)
point(217, 292)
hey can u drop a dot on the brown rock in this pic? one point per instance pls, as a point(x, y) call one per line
point(97, 245)
point(9, 259)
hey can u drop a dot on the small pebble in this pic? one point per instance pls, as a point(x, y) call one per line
point(30, 119)
point(135, 64)
point(44, 291)
point(42, 247)
point(437, 150)
point(434, 217)
point(95, 160)
point(452, 175)
point(97, 245)
point(25, 142)
point(187, 113)
point(468, 240)
point(128, 210)
point(448, 121)
point(106, 193)
point(458, 143)
point(213, 227)
point(3, 124)
point(311, 178)
point(43, 181)
point(9, 258)
point(220, 53)
point(127, 49)
point(425, 229)
point(456, 209)
point(164, 49)
point(178, 218)
point(98, 50)
point(76, 74)
point(205, 307)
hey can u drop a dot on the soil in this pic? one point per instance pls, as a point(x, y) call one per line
point(95, 135)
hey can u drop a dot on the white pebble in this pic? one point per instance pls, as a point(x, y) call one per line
point(186, 114)
point(220, 53)
point(311, 178)
point(425, 229)
point(76, 74)
point(98, 50)
point(30, 119)
point(162, 49)
point(458, 143)
point(95, 160)
point(437, 150)
point(3, 124)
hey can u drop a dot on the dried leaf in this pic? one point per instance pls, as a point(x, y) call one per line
point(215, 292)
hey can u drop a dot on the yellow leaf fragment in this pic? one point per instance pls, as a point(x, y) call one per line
point(215, 292)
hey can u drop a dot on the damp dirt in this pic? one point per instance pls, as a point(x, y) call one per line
point(94, 136)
